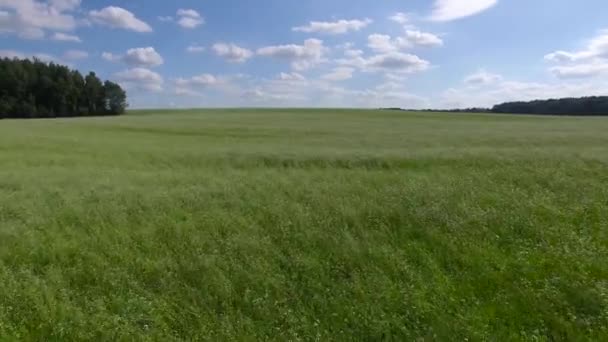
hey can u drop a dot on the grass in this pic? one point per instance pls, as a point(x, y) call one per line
point(304, 225)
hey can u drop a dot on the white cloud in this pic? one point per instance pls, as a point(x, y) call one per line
point(339, 74)
point(189, 23)
point(411, 38)
point(195, 48)
point(140, 78)
point(64, 37)
point(75, 54)
point(336, 27)
point(232, 52)
point(390, 63)
point(189, 18)
point(188, 13)
point(110, 57)
point(400, 17)
point(292, 76)
point(597, 47)
point(138, 57)
point(204, 80)
point(29, 19)
point(588, 62)
point(581, 70)
point(422, 38)
point(301, 57)
point(447, 10)
point(143, 57)
point(482, 77)
point(353, 53)
point(120, 18)
point(397, 62)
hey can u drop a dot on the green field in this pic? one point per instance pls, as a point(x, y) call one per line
point(304, 225)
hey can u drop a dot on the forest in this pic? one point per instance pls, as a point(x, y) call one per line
point(35, 89)
point(593, 105)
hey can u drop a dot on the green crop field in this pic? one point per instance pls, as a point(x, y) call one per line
point(304, 225)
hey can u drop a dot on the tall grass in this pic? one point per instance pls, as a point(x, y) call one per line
point(304, 225)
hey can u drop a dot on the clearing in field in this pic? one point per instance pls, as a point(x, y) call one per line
point(304, 225)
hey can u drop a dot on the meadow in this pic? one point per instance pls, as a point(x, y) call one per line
point(304, 225)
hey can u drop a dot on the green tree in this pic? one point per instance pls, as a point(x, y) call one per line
point(115, 98)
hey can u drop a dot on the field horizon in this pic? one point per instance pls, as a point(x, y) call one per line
point(304, 224)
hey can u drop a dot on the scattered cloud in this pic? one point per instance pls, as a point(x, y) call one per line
point(30, 19)
point(411, 38)
point(448, 10)
point(593, 69)
point(204, 80)
point(397, 62)
point(138, 57)
point(119, 18)
point(591, 61)
point(339, 74)
point(400, 18)
point(232, 52)
point(301, 57)
point(140, 78)
point(292, 76)
point(482, 77)
point(336, 27)
point(189, 18)
point(64, 37)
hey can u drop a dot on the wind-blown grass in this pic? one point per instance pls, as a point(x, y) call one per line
point(304, 225)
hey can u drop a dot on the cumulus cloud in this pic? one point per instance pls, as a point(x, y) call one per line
point(119, 18)
point(411, 38)
point(482, 77)
point(64, 37)
point(390, 63)
point(594, 69)
point(140, 78)
point(335, 27)
point(400, 18)
point(398, 62)
point(447, 10)
point(339, 74)
point(590, 61)
point(189, 18)
point(232, 52)
point(204, 80)
point(301, 57)
point(30, 19)
point(292, 76)
point(138, 57)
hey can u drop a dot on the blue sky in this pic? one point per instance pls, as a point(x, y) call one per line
point(338, 53)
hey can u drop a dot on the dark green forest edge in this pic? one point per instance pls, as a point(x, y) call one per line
point(582, 106)
point(34, 89)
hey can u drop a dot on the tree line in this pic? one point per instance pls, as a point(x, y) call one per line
point(34, 89)
point(581, 106)
point(593, 105)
